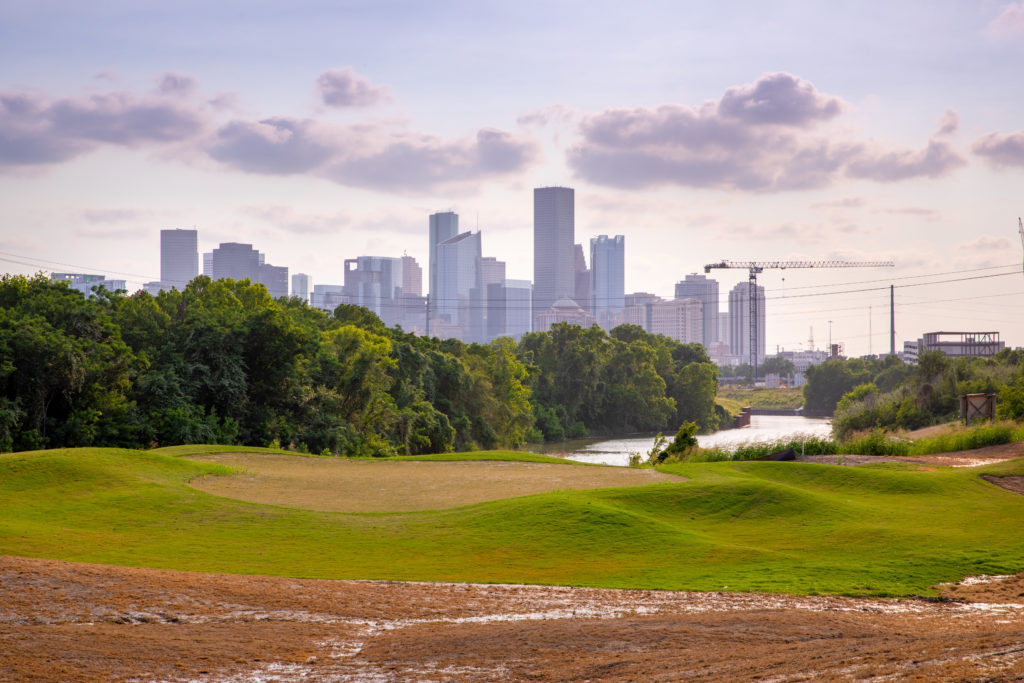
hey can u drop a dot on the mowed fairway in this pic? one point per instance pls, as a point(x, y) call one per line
point(803, 528)
point(339, 485)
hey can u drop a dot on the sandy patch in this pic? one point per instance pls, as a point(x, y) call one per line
point(342, 485)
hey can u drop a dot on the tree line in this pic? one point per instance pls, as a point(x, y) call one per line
point(223, 362)
point(884, 393)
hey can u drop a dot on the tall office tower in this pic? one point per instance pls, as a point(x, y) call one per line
point(236, 261)
point(443, 227)
point(301, 284)
point(179, 257)
point(607, 278)
point(553, 247)
point(704, 290)
point(740, 322)
point(328, 297)
point(412, 277)
point(679, 319)
point(459, 284)
point(582, 279)
point(375, 282)
point(208, 264)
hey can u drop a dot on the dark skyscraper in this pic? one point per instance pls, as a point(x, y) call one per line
point(554, 228)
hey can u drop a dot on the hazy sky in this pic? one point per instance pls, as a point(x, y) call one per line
point(319, 131)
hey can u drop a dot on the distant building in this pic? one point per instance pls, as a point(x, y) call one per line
point(301, 284)
point(443, 227)
point(179, 257)
point(704, 290)
point(412, 277)
point(581, 286)
point(459, 298)
point(328, 297)
point(518, 308)
point(375, 282)
point(740, 323)
point(636, 309)
point(563, 311)
point(959, 344)
point(275, 279)
point(554, 227)
point(607, 278)
point(679, 319)
point(492, 280)
point(86, 282)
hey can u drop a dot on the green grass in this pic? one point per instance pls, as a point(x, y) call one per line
point(781, 527)
point(789, 398)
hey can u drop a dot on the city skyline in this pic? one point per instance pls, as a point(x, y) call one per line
point(772, 131)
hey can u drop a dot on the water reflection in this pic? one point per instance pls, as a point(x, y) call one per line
point(617, 451)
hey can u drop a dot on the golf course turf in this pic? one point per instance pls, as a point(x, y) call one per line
point(741, 526)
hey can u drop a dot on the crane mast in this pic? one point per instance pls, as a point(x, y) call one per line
point(755, 267)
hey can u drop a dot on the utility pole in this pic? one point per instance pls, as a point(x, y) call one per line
point(892, 320)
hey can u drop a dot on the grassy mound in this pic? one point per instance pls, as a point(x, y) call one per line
point(782, 527)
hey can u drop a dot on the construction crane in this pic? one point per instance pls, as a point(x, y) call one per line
point(755, 267)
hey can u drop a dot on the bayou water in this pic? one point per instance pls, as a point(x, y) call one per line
point(617, 451)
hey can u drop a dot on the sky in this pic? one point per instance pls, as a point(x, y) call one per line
point(742, 131)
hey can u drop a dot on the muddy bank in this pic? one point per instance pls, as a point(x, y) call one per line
point(67, 621)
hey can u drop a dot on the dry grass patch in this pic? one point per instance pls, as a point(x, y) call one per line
point(340, 485)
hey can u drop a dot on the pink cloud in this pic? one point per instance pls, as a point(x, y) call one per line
point(761, 137)
point(346, 88)
point(1009, 22)
point(1000, 149)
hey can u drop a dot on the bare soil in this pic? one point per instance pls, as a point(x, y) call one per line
point(972, 458)
point(81, 622)
point(342, 485)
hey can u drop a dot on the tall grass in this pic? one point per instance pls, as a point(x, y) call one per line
point(876, 442)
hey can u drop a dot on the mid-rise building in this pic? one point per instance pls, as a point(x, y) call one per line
point(960, 344)
point(741, 324)
point(679, 319)
point(607, 278)
point(328, 297)
point(301, 284)
point(704, 290)
point(554, 229)
point(275, 279)
point(87, 282)
point(563, 311)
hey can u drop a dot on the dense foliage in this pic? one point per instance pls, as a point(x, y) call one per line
point(886, 394)
point(222, 362)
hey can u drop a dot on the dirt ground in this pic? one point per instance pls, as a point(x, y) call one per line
point(81, 622)
point(342, 485)
point(971, 458)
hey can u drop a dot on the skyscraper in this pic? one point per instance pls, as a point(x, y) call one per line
point(607, 278)
point(460, 285)
point(179, 257)
point(412, 277)
point(740, 322)
point(375, 282)
point(236, 261)
point(582, 286)
point(554, 228)
point(704, 290)
point(443, 227)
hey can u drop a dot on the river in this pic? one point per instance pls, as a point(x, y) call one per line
point(617, 451)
